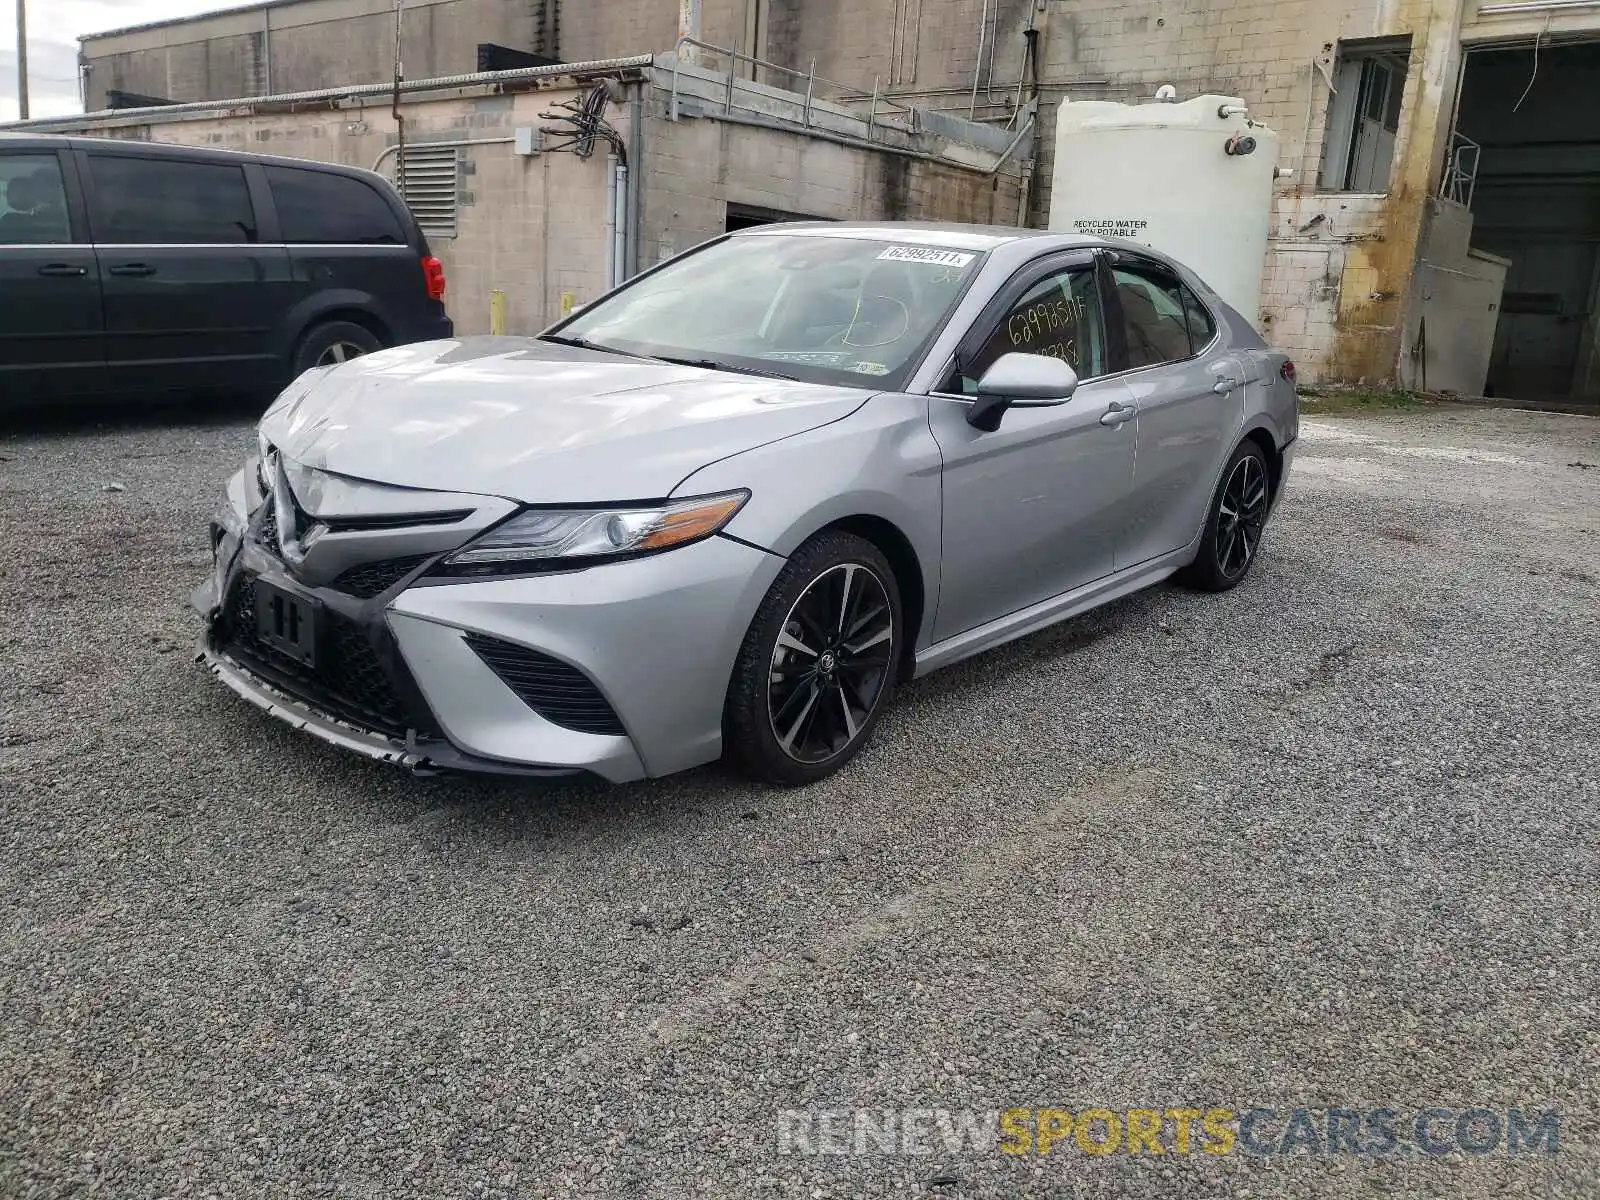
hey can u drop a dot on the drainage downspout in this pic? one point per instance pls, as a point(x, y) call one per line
point(394, 105)
point(613, 265)
point(983, 29)
point(619, 223)
point(635, 178)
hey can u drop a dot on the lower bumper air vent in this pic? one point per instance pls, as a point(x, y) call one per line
point(561, 694)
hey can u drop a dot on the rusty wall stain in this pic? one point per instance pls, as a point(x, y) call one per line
point(1378, 274)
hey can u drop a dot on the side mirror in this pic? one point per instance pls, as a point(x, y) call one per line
point(1018, 379)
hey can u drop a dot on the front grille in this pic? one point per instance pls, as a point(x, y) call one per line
point(561, 694)
point(349, 679)
point(374, 578)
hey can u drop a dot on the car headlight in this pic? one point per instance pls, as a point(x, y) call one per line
point(543, 538)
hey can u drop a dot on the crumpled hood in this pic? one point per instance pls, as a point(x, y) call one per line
point(535, 421)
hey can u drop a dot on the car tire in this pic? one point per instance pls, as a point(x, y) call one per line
point(805, 695)
point(1234, 523)
point(331, 343)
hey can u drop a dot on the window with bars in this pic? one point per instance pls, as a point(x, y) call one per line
point(427, 177)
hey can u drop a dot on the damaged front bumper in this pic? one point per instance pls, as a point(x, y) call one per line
point(617, 671)
point(419, 758)
point(399, 729)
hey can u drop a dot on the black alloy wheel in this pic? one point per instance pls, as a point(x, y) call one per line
point(1235, 522)
point(1241, 517)
point(818, 663)
point(830, 663)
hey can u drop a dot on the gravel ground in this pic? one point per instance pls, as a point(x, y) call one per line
point(1329, 840)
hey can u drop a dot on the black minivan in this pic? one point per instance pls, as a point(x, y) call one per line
point(129, 268)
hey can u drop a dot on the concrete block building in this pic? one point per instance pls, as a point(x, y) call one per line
point(1434, 226)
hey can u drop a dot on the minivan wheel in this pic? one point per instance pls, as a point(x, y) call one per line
point(333, 342)
point(817, 666)
point(1235, 523)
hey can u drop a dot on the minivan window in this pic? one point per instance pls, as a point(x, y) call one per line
point(322, 208)
point(146, 201)
point(33, 201)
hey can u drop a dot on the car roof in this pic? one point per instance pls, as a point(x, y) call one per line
point(952, 234)
point(1011, 245)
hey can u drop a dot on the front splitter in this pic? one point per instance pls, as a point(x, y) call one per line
point(420, 758)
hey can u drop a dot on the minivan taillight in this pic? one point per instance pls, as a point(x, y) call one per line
point(1287, 371)
point(433, 277)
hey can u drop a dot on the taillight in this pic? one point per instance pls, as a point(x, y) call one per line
point(1287, 371)
point(433, 277)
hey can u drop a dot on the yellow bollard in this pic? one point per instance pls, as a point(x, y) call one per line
point(497, 312)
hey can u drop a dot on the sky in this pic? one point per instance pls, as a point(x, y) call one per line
point(54, 27)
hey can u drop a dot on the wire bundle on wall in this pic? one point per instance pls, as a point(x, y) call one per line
point(581, 122)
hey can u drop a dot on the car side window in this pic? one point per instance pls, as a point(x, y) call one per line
point(317, 207)
point(1060, 317)
point(1202, 328)
point(1154, 318)
point(33, 201)
point(156, 201)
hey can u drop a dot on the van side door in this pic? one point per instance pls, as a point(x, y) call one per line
point(351, 251)
point(191, 288)
point(52, 332)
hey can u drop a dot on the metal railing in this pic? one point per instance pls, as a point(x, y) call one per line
point(842, 92)
point(1460, 180)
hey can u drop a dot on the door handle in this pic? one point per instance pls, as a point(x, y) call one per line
point(1224, 385)
point(63, 270)
point(133, 269)
point(1117, 414)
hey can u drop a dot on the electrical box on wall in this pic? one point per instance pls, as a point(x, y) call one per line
point(529, 141)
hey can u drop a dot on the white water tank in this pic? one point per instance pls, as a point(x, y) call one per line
point(1193, 180)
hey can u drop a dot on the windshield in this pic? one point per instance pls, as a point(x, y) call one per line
point(827, 309)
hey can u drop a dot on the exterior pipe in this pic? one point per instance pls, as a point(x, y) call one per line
point(1536, 6)
point(983, 29)
point(377, 163)
point(839, 139)
point(612, 263)
point(635, 178)
point(1009, 150)
point(325, 95)
point(619, 225)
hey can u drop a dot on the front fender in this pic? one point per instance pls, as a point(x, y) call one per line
point(880, 461)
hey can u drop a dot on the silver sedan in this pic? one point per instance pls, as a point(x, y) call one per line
point(727, 507)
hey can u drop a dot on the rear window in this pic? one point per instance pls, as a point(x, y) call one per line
point(33, 203)
point(319, 208)
point(155, 201)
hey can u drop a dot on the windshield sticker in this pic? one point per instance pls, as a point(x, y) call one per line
point(928, 254)
point(869, 368)
point(827, 358)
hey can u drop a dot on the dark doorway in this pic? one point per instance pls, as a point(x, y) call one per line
point(1536, 201)
point(743, 216)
